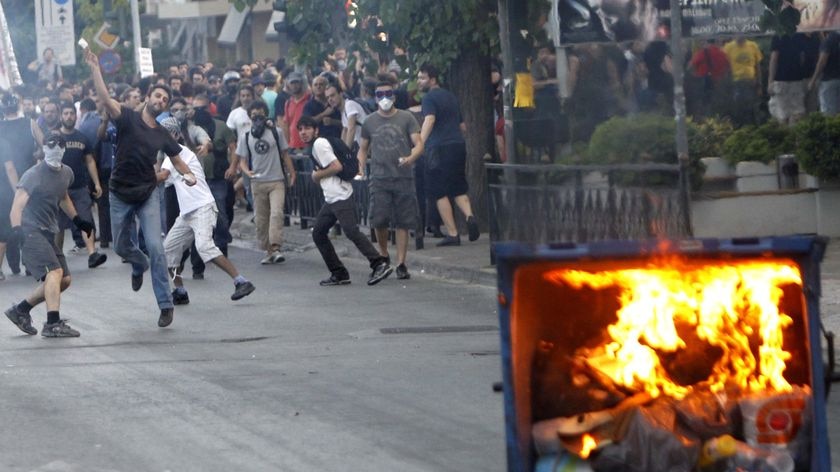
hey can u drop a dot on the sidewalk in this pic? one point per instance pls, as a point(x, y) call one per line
point(467, 263)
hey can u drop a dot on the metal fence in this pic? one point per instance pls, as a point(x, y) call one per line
point(304, 200)
point(557, 203)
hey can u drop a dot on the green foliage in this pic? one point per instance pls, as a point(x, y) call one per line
point(779, 17)
point(816, 151)
point(763, 143)
point(708, 137)
point(634, 139)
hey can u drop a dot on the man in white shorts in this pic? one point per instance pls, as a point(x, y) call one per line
point(196, 222)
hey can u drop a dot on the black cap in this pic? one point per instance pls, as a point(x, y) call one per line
point(54, 139)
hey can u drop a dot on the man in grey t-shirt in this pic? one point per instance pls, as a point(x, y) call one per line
point(392, 137)
point(259, 150)
point(34, 216)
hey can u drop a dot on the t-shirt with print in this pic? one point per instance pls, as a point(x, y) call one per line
point(264, 156)
point(390, 139)
point(314, 108)
point(444, 106)
point(831, 46)
point(46, 188)
point(743, 59)
point(133, 177)
point(76, 147)
point(353, 108)
point(335, 189)
point(190, 198)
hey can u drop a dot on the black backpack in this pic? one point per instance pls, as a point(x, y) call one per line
point(347, 158)
point(368, 106)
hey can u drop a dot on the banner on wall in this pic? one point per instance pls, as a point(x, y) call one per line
point(9, 72)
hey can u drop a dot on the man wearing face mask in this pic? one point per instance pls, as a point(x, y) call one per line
point(78, 156)
point(259, 151)
point(224, 104)
point(34, 216)
point(134, 190)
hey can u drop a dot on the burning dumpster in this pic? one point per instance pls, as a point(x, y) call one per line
point(663, 355)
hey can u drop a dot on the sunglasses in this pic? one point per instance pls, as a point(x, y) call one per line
point(384, 93)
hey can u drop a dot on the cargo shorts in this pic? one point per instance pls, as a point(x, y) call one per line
point(393, 202)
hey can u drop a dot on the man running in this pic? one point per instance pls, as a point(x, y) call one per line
point(134, 192)
point(40, 192)
point(195, 223)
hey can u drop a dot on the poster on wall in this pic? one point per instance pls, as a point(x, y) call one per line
point(587, 21)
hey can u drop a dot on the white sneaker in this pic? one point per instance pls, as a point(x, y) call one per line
point(2, 276)
point(277, 257)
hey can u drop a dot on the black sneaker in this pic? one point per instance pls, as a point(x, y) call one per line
point(198, 275)
point(380, 273)
point(136, 281)
point(180, 297)
point(449, 241)
point(472, 228)
point(59, 329)
point(242, 290)
point(21, 319)
point(335, 280)
point(104, 244)
point(96, 259)
point(166, 316)
point(402, 272)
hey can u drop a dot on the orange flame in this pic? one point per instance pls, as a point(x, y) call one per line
point(588, 445)
point(724, 303)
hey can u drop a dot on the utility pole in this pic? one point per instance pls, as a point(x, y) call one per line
point(135, 31)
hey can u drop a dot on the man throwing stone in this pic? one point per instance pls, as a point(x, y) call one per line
point(134, 192)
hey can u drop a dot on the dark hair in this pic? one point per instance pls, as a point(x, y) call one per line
point(307, 122)
point(87, 104)
point(187, 89)
point(172, 77)
point(258, 104)
point(384, 83)
point(66, 105)
point(195, 70)
point(163, 87)
point(430, 70)
point(369, 86)
point(178, 100)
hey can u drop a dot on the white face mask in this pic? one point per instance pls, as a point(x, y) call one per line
point(53, 156)
point(385, 104)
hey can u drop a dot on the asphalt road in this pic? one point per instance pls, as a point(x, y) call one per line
point(295, 377)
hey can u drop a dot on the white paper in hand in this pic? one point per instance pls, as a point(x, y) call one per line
point(82, 43)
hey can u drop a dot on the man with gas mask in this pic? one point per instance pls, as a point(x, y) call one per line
point(224, 104)
point(17, 155)
point(194, 225)
point(262, 154)
point(42, 190)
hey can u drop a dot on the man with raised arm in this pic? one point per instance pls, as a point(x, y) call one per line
point(133, 186)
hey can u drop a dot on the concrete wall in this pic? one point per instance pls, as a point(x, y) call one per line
point(756, 215)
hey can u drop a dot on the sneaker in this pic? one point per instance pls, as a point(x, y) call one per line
point(402, 272)
point(335, 280)
point(266, 260)
point(166, 316)
point(472, 228)
point(242, 290)
point(104, 244)
point(277, 257)
point(59, 329)
point(435, 232)
point(180, 297)
point(96, 259)
point(380, 273)
point(78, 251)
point(198, 275)
point(449, 241)
point(21, 319)
point(2, 276)
point(136, 281)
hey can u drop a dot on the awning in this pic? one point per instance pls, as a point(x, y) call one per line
point(234, 22)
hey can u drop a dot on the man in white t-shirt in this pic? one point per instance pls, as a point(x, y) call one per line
point(339, 207)
point(238, 120)
point(352, 116)
point(195, 222)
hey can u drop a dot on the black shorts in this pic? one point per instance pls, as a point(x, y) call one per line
point(446, 171)
point(41, 255)
point(83, 203)
point(393, 202)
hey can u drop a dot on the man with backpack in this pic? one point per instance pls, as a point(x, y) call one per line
point(262, 152)
point(335, 168)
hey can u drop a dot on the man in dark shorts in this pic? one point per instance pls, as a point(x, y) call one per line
point(134, 191)
point(393, 138)
point(446, 154)
point(40, 192)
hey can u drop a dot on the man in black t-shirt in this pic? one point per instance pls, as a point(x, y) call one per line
point(785, 80)
point(133, 186)
point(827, 73)
point(328, 118)
point(78, 156)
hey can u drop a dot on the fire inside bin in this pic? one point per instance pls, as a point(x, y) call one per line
point(662, 363)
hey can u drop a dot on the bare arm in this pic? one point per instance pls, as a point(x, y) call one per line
point(416, 151)
point(290, 168)
point(162, 175)
point(233, 160)
point(362, 155)
point(94, 175)
point(351, 131)
point(818, 70)
point(21, 199)
point(426, 129)
point(111, 106)
point(11, 174)
point(66, 204)
point(334, 168)
point(243, 166)
point(774, 64)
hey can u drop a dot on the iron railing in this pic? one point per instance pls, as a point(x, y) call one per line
point(559, 203)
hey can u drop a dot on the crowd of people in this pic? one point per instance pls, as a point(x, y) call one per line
point(157, 166)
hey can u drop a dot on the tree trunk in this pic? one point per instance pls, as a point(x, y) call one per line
point(469, 80)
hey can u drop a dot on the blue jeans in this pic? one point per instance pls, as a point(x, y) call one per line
point(123, 227)
point(830, 97)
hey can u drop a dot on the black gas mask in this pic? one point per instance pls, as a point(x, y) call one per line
point(258, 124)
point(230, 87)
